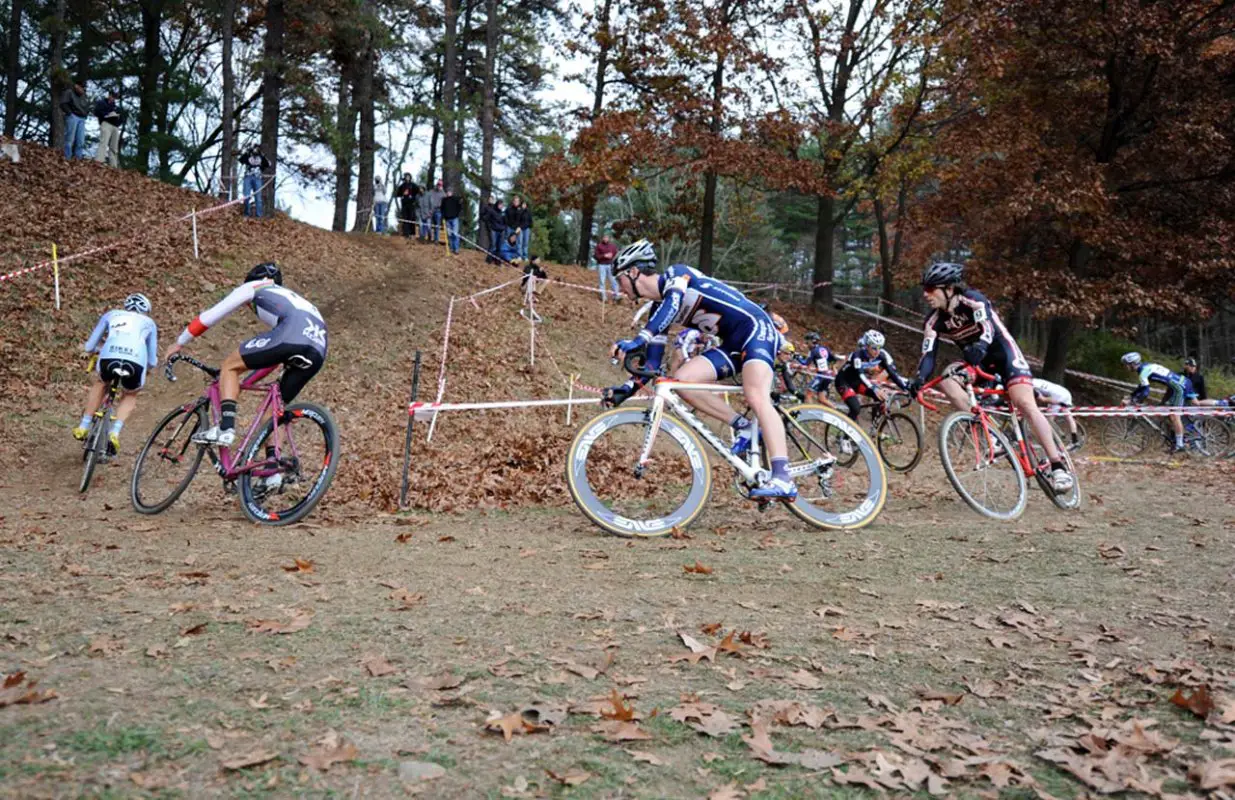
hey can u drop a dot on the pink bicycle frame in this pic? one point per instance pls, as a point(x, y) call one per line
point(273, 403)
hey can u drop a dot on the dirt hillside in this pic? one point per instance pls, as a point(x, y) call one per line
point(383, 298)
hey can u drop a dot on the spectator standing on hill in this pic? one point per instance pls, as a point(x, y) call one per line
point(409, 196)
point(424, 212)
point(604, 253)
point(435, 198)
point(496, 225)
point(76, 106)
point(255, 166)
point(509, 251)
point(452, 207)
point(525, 228)
point(381, 205)
point(108, 114)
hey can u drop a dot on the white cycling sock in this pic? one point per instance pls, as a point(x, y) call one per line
point(117, 426)
point(85, 420)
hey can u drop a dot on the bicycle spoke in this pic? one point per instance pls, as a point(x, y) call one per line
point(284, 482)
point(980, 467)
point(167, 462)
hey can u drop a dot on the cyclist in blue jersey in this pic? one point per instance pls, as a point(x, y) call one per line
point(820, 358)
point(965, 317)
point(1175, 389)
point(748, 345)
point(854, 379)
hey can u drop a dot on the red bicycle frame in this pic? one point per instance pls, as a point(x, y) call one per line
point(227, 464)
point(1021, 450)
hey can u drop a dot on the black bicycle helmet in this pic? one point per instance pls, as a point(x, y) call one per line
point(943, 274)
point(264, 271)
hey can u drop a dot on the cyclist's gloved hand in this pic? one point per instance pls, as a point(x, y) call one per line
point(626, 345)
point(616, 395)
point(915, 389)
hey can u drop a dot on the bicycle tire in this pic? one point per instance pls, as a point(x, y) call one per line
point(90, 455)
point(1022, 496)
point(1125, 437)
point(618, 524)
point(1215, 435)
point(873, 497)
point(1071, 500)
point(249, 500)
point(196, 414)
point(897, 423)
point(833, 437)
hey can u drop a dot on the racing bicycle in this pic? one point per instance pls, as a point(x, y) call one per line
point(643, 471)
point(896, 434)
point(1130, 436)
point(95, 448)
point(282, 467)
point(988, 470)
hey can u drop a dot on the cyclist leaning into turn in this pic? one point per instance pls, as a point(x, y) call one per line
point(132, 346)
point(965, 317)
point(748, 345)
point(854, 379)
point(296, 339)
point(1176, 389)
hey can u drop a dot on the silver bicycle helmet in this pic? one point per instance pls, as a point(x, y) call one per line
point(639, 255)
point(137, 302)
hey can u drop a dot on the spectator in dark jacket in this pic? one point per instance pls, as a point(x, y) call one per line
point(256, 165)
point(525, 227)
point(409, 196)
point(435, 198)
point(75, 106)
point(108, 114)
point(1193, 373)
point(424, 212)
point(533, 272)
point(512, 216)
point(509, 251)
point(452, 207)
point(495, 224)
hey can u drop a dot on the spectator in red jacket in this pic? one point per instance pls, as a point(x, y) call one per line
point(605, 253)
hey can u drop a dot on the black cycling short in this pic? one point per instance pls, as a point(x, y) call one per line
point(300, 360)
point(131, 382)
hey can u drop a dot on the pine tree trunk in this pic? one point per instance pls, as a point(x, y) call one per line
point(152, 71)
point(60, 80)
point(1059, 334)
point(825, 232)
point(707, 230)
point(462, 100)
point(227, 159)
point(272, 95)
point(368, 139)
point(885, 250)
point(446, 109)
point(345, 121)
point(488, 105)
point(592, 195)
point(437, 127)
point(87, 40)
point(12, 68)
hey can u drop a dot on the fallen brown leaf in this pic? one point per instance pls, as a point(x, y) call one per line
point(1200, 702)
point(248, 759)
point(299, 621)
point(510, 724)
point(377, 666)
point(697, 569)
point(300, 565)
point(15, 693)
point(572, 778)
point(647, 758)
point(331, 749)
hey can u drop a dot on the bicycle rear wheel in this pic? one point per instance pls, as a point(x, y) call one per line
point(631, 500)
point(832, 495)
point(168, 461)
point(900, 441)
point(286, 491)
point(1126, 437)
point(984, 472)
point(92, 452)
point(1068, 501)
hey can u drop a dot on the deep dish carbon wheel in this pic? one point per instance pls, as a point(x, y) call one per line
point(833, 495)
point(626, 499)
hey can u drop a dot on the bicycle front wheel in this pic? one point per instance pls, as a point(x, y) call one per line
point(629, 499)
point(284, 490)
point(900, 441)
point(1125, 436)
point(168, 461)
point(983, 470)
point(1068, 501)
point(831, 494)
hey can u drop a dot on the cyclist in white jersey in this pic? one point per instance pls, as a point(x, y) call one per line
point(296, 339)
point(1057, 399)
point(131, 346)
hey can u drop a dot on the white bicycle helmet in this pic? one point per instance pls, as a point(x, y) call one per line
point(872, 339)
point(1131, 359)
point(639, 254)
point(137, 302)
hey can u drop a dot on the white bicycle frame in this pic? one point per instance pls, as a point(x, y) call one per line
point(665, 394)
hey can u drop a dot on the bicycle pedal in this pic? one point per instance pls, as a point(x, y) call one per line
point(229, 487)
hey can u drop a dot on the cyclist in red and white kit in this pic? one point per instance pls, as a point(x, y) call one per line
point(296, 339)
